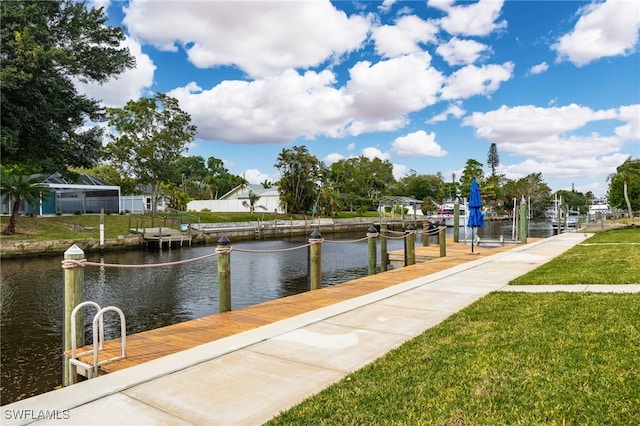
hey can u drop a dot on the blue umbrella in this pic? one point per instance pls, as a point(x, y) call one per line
point(476, 217)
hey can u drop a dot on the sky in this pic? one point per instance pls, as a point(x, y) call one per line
point(426, 85)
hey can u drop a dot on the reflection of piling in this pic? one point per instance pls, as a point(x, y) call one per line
point(224, 274)
point(315, 259)
point(73, 296)
point(372, 233)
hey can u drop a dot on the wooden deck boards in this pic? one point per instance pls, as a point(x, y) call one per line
point(153, 344)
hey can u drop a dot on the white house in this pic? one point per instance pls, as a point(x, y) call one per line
point(237, 200)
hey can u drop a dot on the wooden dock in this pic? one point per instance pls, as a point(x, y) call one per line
point(163, 236)
point(153, 344)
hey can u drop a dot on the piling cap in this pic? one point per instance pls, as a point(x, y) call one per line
point(372, 230)
point(315, 234)
point(410, 227)
point(74, 250)
point(224, 241)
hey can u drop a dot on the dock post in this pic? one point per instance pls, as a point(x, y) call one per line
point(224, 274)
point(315, 260)
point(73, 296)
point(384, 261)
point(456, 222)
point(443, 241)
point(372, 233)
point(410, 246)
point(524, 222)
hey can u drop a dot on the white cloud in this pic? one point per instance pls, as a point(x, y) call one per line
point(461, 52)
point(276, 109)
point(255, 176)
point(334, 157)
point(351, 146)
point(630, 131)
point(404, 37)
point(282, 108)
point(609, 28)
point(394, 87)
point(386, 5)
point(418, 144)
point(538, 69)
point(472, 80)
point(130, 85)
point(372, 152)
point(550, 138)
point(453, 110)
point(262, 37)
point(477, 19)
point(400, 171)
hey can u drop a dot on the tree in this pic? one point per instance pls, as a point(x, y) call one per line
point(625, 185)
point(150, 135)
point(299, 183)
point(493, 159)
point(362, 177)
point(18, 188)
point(46, 44)
point(472, 169)
point(533, 188)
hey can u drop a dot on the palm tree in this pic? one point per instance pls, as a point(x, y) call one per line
point(18, 188)
point(625, 171)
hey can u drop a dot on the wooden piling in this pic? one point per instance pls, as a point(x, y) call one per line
point(443, 241)
point(384, 261)
point(410, 245)
point(524, 222)
point(456, 222)
point(73, 296)
point(315, 260)
point(224, 274)
point(372, 234)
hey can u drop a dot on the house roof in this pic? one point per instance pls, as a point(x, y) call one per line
point(82, 181)
point(257, 189)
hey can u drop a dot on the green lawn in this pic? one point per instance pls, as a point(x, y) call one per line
point(510, 358)
point(610, 257)
point(69, 227)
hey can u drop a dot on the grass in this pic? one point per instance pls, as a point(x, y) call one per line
point(71, 227)
point(614, 258)
point(510, 358)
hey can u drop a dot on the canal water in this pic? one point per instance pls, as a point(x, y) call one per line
point(32, 297)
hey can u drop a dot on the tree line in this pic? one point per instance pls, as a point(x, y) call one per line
point(48, 127)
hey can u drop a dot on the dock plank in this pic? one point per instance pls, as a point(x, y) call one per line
point(149, 345)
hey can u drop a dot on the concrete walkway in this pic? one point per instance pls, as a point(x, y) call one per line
point(248, 378)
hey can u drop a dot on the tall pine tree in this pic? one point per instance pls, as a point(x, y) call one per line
point(493, 159)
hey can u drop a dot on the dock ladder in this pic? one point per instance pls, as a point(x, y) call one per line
point(91, 370)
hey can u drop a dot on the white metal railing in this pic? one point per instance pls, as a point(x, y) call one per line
point(91, 370)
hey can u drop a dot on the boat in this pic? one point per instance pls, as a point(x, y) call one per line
point(569, 220)
point(446, 212)
point(599, 209)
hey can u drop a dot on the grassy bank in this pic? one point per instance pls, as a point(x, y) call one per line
point(70, 227)
point(610, 257)
point(510, 358)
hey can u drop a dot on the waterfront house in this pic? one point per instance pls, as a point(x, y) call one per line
point(83, 194)
point(238, 200)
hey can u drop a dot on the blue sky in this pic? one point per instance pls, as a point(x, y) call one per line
point(426, 85)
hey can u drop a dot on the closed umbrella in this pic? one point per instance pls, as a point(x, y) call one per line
point(476, 218)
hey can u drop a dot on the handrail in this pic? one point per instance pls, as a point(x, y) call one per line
point(123, 338)
point(73, 329)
